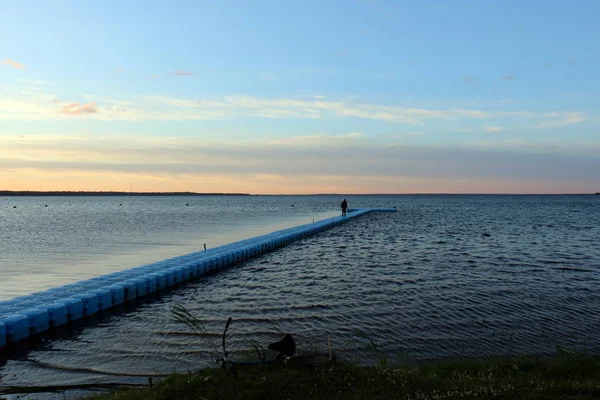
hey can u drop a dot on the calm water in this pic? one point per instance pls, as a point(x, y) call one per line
point(446, 276)
point(50, 241)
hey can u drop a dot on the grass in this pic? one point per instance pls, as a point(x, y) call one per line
point(566, 376)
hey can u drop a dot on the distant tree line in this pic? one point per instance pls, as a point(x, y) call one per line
point(84, 193)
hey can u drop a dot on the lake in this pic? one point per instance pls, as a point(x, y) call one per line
point(445, 276)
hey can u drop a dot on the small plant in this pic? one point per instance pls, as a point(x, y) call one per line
point(258, 348)
point(366, 339)
point(181, 314)
point(365, 342)
point(276, 327)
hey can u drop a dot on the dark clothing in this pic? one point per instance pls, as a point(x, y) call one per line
point(344, 207)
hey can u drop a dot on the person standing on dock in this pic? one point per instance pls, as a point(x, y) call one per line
point(344, 207)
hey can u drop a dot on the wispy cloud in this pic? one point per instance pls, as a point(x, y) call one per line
point(405, 135)
point(560, 120)
point(13, 64)
point(313, 108)
point(468, 79)
point(318, 159)
point(120, 69)
point(79, 109)
point(319, 140)
point(509, 77)
point(493, 128)
point(35, 82)
point(464, 130)
point(37, 103)
point(269, 77)
point(184, 73)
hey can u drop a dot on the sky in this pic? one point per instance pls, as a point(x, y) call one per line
point(352, 96)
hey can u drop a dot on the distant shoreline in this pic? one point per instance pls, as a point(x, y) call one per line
point(58, 193)
point(84, 193)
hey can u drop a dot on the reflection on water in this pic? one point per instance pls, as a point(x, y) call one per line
point(446, 276)
point(75, 238)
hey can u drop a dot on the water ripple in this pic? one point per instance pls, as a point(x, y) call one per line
point(431, 281)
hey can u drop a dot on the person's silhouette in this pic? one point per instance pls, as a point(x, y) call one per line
point(344, 207)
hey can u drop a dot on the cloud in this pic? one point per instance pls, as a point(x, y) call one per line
point(110, 102)
point(509, 77)
point(313, 108)
point(35, 82)
point(561, 119)
point(319, 140)
point(184, 73)
point(407, 134)
point(37, 103)
point(79, 109)
point(270, 77)
point(468, 79)
point(493, 129)
point(463, 130)
point(319, 159)
point(120, 69)
point(13, 64)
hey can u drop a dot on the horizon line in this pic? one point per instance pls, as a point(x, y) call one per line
point(187, 193)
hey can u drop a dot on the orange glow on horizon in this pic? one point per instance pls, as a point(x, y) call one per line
point(270, 184)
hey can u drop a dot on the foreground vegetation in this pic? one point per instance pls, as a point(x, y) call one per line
point(567, 376)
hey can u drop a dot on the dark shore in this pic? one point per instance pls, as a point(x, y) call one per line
point(7, 193)
point(567, 376)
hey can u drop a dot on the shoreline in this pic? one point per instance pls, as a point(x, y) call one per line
point(566, 376)
point(317, 375)
point(9, 193)
point(59, 193)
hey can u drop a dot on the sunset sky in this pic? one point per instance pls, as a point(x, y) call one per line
point(352, 96)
